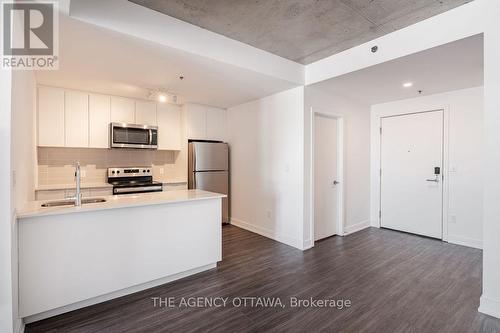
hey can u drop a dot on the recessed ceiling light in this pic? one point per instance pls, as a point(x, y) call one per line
point(408, 84)
point(162, 98)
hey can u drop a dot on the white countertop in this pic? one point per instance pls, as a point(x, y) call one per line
point(34, 208)
point(96, 185)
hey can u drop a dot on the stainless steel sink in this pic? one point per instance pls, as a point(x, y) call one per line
point(71, 202)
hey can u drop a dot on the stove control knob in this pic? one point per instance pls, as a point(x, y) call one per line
point(113, 172)
point(143, 170)
point(118, 172)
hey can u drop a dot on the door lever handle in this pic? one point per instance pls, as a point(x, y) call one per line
point(436, 180)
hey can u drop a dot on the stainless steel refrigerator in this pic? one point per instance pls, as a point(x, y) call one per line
point(208, 169)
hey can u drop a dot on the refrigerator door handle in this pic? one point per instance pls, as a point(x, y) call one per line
point(193, 173)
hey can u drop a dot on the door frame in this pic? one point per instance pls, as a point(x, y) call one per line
point(375, 164)
point(340, 170)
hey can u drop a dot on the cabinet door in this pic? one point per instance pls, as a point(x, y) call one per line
point(76, 119)
point(145, 113)
point(50, 117)
point(122, 110)
point(196, 122)
point(216, 124)
point(169, 127)
point(99, 119)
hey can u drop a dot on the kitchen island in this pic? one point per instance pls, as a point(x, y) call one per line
point(71, 257)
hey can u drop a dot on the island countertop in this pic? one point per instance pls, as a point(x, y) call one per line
point(34, 208)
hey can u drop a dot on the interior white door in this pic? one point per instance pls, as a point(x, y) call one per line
point(325, 177)
point(411, 187)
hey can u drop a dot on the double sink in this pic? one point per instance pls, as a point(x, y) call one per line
point(71, 202)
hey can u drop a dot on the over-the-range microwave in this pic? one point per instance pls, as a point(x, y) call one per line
point(124, 135)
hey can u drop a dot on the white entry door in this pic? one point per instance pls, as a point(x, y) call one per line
point(411, 173)
point(325, 177)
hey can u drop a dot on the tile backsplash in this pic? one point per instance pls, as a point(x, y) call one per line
point(57, 165)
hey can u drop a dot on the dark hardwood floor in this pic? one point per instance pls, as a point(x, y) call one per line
point(396, 282)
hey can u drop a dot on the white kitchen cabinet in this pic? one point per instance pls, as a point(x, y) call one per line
point(122, 110)
point(205, 122)
point(169, 127)
point(76, 119)
point(216, 124)
point(145, 113)
point(196, 121)
point(99, 120)
point(50, 117)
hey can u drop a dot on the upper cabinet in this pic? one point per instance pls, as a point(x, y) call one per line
point(122, 110)
point(50, 117)
point(205, 122)
point(69, 118)
point(216, 124)
point(76, 119)
point(99, 120)
point(145, 113)
point(196, 121)
point(169, 127)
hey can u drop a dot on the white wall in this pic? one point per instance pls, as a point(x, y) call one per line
point(465, 184)
point(356, 156)
point(490, 300)
point(23, 137)
point(22, 163)
point(6, 314)
point(266, 142)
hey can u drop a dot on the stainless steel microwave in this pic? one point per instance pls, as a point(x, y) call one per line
point(133, 136)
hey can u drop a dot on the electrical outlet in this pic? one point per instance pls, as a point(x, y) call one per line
point(162, 171)
point(453, 219)
point(269, 214)
point(84, 173)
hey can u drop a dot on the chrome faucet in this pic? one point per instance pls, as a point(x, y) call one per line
point(78, 178)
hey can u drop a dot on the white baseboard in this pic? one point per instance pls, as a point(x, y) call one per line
point(269, 233)
point(116, 294)
point(307, 244)
point(489, 306)
point(356, 227)
point(465, 241)
point(19, 326)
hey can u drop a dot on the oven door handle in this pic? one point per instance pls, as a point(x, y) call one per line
point(138, 189)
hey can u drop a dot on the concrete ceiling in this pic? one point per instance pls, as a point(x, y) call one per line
point(97, 59)
point(448, 67)
point(302, 30)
